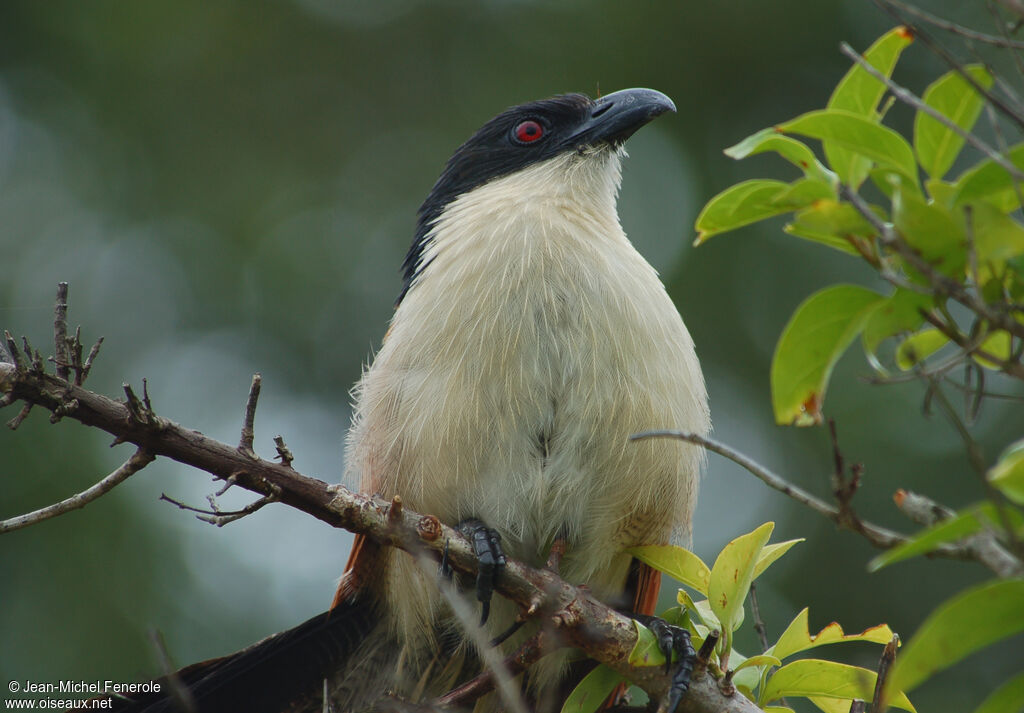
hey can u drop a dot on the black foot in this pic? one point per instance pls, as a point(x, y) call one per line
point(673, 640)
point(491, 559)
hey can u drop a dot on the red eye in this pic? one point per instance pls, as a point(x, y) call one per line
point(529, 131)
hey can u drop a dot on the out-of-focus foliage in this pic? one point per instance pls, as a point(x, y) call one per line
point(949, 245)
point(230, 187)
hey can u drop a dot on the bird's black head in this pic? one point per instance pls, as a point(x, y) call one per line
point(527, 134)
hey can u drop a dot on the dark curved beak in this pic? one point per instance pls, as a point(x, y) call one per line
point(615, 117)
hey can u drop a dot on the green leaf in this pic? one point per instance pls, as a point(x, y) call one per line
point(969, 621)
point(827, 679)
point(859, 135)
point(777, 709)
point(1007, 698)
point(859, 93)
point(816, 336)
point(731, 576)
point(965, 523)
point(770, 553)
point(943, 192)
point(837, 225)
point(991, 183)
point(804, 192)
point(592, 691)
point(931, 230)
point(918, 347)
point(739, 205)
point(796, 152)
point(998, 238)
point(676, 562)
point(797, 636)
point(937, 145)
point(1007, 475)
point(831, 705)
point(702, 609)
point(997, 344)
point(645, 652)
point(900, 312)
point(759, 660)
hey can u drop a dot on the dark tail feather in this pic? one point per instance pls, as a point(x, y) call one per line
point(269, 676)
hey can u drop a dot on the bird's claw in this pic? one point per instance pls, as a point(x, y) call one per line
point(490, 559)
point(673, 640)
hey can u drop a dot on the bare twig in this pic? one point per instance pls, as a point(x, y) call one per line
point(878, 536)
point(140, 459)
point(755, 611)
point(1012, 112)
point(246, 441)
point(954, 28)
point(87, 367)
point(218, 517)
point(60, 332)
point(910, 98)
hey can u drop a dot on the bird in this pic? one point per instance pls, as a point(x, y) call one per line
point(530, 339)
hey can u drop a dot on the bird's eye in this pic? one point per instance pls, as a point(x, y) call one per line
point(526, 132)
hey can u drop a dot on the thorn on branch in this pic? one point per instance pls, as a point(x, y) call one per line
point(139, 411)
point(63, 409)
point(245, 443)
point(12, 350)
point(88, 362)
point(228, 482)
point(22, 415)
point(707, 648)
point(283, 454)
point(884, 664)
point(395, 511)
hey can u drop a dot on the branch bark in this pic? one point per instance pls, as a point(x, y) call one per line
point(581, 620)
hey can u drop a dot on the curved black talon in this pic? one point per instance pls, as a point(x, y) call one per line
point(490, 558)
point(673, 640)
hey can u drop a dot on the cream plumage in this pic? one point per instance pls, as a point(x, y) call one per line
point(535, 341)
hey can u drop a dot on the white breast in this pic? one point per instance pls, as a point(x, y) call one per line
point(534, 343)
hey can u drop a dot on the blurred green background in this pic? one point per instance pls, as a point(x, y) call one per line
point(230, 187)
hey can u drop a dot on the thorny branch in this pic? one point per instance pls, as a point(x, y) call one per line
point(580, 620)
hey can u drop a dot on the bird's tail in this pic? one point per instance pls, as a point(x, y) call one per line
point(285, 671)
